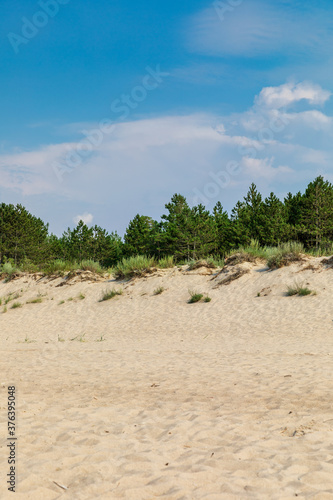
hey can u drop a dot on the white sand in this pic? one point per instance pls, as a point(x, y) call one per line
point(222, 400)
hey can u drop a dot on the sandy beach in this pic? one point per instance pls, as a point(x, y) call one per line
point(146, 396)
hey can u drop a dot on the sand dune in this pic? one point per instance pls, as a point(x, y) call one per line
point(146, 396)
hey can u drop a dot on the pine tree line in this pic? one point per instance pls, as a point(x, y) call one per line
point(184, 232)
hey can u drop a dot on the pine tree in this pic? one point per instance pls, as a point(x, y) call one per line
point(176, 225)
point(274, 223)
point(138, 235)
point(224, 237)
point(317, 212)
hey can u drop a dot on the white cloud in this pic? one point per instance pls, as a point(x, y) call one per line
point(86, 218)
point(262, 168)
point(289, 93)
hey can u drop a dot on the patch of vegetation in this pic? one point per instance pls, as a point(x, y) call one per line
point(134, 266)
point(60, 339)
point(207, 299)
point(159, 290)
point(90, 265)
point(109, 294)
point(81, 296)
point(166, 262)
point(61, 302)
point(285, 254)
point(38, 300)
point(59, 267)
point(9, 270)
point(16, 305)
point(298, 289)
point(195, 297)
point(4, 310)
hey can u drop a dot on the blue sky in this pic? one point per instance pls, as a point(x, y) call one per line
point(108, 109)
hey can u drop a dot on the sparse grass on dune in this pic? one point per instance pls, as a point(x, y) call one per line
point(276, 257)
point(134, 266)
point(38, 300)
point(299, 289)
point(61, 267)
point(16, 305)
point(90, 265)
point(166, 262)
point(109, 294)
point(285, 255)
point(159, 290)
point(9, 270)
point(197, 297)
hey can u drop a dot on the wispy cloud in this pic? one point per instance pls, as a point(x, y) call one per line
point(262, 27)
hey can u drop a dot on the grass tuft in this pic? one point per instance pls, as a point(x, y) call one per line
point(159, 290)
point(16, 305)
point(38, 300)
point(134, 266)
point(195, 297)
point(298, 289)
point(109, 294)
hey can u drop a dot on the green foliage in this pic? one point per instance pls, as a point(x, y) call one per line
point(257, 227)
point(207, 299)
point(159, 290)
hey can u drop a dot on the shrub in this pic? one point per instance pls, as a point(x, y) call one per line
point(207, 299)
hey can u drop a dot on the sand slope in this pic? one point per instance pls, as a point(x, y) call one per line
point(226, 399)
